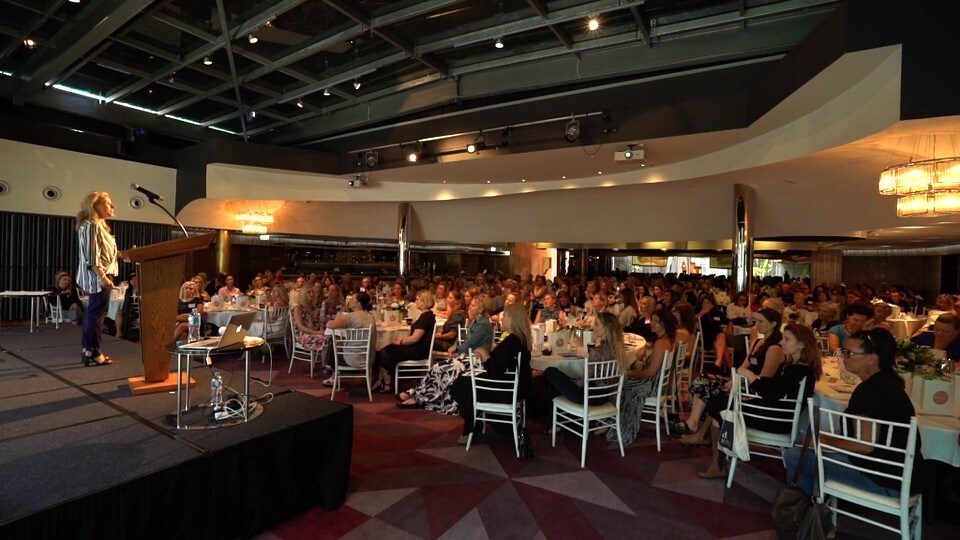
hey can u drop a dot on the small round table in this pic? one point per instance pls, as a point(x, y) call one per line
point(202, 416)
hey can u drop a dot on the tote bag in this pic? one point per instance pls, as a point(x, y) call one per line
point(733, 431)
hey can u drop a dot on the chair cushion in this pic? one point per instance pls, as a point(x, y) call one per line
point(765, 437)
point(853, 493)
point(593, 411)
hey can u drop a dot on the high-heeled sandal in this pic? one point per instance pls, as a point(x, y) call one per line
point(377, 386)
point(103, 360)
point(387, 388)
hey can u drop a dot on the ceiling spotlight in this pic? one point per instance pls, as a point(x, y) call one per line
point(252, 38)
point(477, 144)
point(412, 157)
point(356, 84)
point(29, 43)
point(593, 24)
point(572, 130)
point(326, 91)
point(371, 158)
point(499, 43)
point(207, 61)
point(74, 1)
point(173, 78)
point(251, 115)
point(300, 103)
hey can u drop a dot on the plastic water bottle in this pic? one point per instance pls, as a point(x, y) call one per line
point(216, 391)
point(193, 325)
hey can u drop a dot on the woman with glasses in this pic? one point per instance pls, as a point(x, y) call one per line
point(880, 395)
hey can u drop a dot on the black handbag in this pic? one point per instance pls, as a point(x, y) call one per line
point(797, 516)
point(523, 439)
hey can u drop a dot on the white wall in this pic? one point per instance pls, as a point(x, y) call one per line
point(29, 168)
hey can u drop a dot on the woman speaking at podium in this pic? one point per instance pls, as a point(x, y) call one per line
point(97, 270)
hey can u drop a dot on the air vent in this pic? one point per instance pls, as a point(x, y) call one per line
point(51, 193)
point(136, 202)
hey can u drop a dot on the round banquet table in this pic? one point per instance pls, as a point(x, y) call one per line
point(222, 317)
point(571, 364)
point(939, 434)
point(903, 328)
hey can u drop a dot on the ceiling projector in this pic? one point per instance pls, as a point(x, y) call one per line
point(632, 153)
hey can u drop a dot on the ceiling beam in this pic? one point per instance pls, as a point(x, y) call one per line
point(557, 30)
point(30, 29)
point(391, 37)
point(769, 37)
point(267, 13)
point(643, 23)
point(225, 25)
point(95, 23)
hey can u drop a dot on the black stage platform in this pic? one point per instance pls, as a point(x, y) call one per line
point(81, 457)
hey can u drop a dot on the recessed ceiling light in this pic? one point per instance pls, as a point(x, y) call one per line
point(564, 177)
point(523, 179)
point(498, 44)
point(471, 148)
point(300, 103)
point(444, 181)
point(356, 84)
point(593, 24)
point(326, 91)
point(599, 172)
point(412, 157)
point(207, 61)
point(29, 43)
point(252, 38)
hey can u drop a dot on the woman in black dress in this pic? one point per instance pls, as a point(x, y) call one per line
point(416, 346)
point(496, 364)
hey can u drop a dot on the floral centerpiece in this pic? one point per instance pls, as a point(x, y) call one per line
point(395, 313)
point(919, 360)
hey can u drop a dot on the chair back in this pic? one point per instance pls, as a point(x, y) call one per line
point(497, 386)
point(823, 342)
point(602, 380)
point(667, 383)
point(275, 322)
point(351, 346)
point(885, 437)
point(56, 309)
point(461, 334)
point(750, 404)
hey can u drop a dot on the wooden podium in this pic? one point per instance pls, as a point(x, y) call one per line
point(161, 274)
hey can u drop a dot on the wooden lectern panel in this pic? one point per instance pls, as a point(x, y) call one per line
point(162, 271)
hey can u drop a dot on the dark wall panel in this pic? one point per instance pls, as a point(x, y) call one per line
point(34, 247)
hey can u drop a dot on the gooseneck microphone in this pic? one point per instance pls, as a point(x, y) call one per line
point(153, 198)
point(150, 195)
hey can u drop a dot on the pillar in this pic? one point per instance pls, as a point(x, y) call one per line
point(223, 251)
point(742, 269)
point(826, 266)
point(404, 214)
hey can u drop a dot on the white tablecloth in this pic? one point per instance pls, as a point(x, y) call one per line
point(572, 365)
point(939, 435)
point(904, 328)
point(116, 304)
point(221, 318)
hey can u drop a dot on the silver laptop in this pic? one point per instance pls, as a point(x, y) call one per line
point(233, 335)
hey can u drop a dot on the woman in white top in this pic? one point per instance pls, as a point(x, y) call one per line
point(97, 270)
point(739, 309)
point(357, 316)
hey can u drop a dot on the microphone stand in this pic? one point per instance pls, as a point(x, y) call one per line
point(177, 221)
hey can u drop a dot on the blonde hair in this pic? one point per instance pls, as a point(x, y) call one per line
point(485, 303)
point(303, 298)
point(87, 210)
point(184, 295)
point(613, 333)
point(518, 323)
point(426, 297)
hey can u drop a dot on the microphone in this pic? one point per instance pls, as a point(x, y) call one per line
point(151, 195)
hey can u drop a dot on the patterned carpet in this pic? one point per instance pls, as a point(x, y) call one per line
point(410, 479)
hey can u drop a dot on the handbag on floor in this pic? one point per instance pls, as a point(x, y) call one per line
point(524, 444)
point(796, 516)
